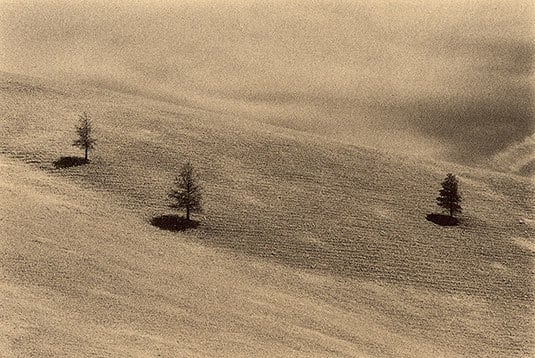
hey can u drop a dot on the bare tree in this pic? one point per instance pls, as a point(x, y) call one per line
point(450, 198)
point(187, 192)
point(85, 139)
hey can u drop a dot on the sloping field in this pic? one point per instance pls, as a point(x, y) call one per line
point(302, 206)
point(82, 277)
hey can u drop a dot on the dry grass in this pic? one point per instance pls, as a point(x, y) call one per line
point(341, 212)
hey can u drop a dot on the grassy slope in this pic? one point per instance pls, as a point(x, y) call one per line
point(351, 217)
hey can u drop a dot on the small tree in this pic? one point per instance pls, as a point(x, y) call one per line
point(85, 139)
point(187, 194)
point(449, 197)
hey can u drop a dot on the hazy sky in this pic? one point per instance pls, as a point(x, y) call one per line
point(447, 77)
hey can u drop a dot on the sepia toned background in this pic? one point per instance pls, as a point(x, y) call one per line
point(321, 134)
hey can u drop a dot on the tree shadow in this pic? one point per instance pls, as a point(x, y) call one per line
point(67, 162)
point(173, 223)
point(442, 220)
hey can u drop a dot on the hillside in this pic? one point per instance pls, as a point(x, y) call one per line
point(519, 158)
point(81, 277)
point(331, 240)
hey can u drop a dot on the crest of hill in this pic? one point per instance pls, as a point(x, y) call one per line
point(302, 202)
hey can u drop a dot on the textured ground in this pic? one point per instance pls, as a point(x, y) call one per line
point(306, 246)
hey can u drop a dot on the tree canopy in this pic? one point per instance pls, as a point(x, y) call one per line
point(449, 197)
point(187, 192)
point(85, 138)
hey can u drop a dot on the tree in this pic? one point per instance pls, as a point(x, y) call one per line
point(449, 197)
point(85, 139)
point(187, 194)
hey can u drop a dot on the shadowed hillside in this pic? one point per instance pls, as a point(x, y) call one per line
point(306, 203)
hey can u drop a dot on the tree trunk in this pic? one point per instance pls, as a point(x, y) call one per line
point(451, 212)
point(86, 153)
point(187, 213)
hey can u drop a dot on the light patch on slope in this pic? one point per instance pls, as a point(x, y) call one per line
point(527, 244)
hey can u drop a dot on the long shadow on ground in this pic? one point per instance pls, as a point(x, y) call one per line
point(442, 220)
point(173, 223)
point(67, 162)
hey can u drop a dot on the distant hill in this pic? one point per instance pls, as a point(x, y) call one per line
point(352, 218)
point(519, 158)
